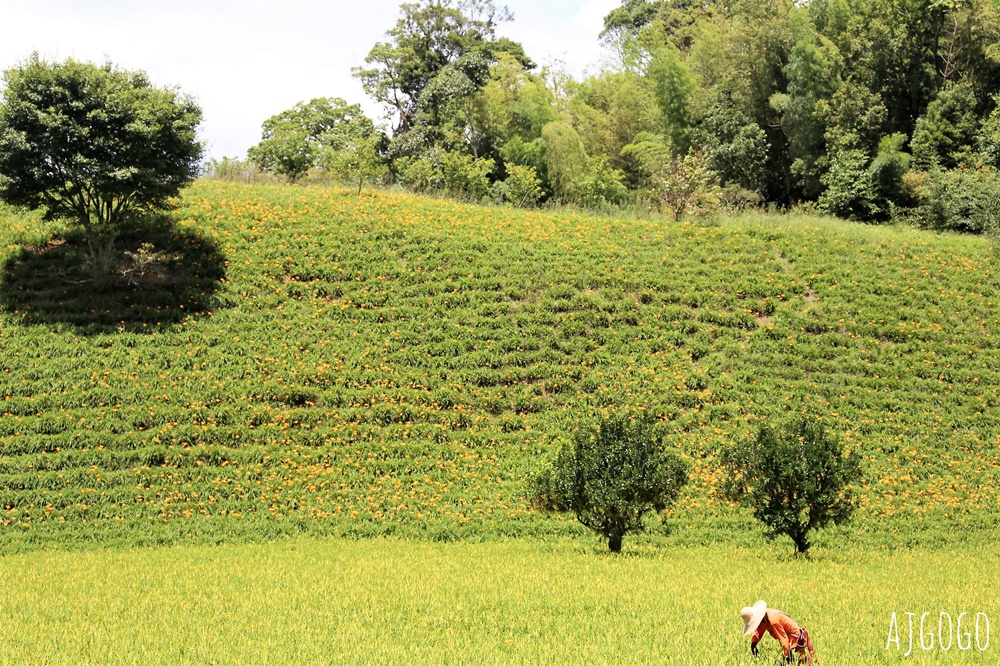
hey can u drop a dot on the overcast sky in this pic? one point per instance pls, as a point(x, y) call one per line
point(245, 60)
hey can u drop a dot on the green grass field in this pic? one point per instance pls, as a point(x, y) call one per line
point(377, 601)
point(313, 364)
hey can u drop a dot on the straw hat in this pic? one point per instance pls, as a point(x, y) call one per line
point(752, 615)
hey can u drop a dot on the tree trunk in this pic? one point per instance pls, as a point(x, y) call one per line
point(615, 542)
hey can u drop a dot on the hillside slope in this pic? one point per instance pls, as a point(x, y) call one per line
point(316, 361)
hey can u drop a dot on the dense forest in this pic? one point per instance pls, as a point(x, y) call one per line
point(866, 109)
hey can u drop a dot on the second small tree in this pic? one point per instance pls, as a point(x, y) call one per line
point(797, 479)
point(612, 476)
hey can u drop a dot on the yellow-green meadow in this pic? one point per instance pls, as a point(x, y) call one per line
point(380, 601)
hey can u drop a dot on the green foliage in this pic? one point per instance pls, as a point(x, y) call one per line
point(235, 170)
point(467, 175)
point(888, 169)
point(357, 159)
point(674, 84)
point(529, 154)
point(514, 105)
point(599, 186)
point(298, 139)
point(855, 118)
point(437, 57)
point(849, 189)
point(608, 110)
point(960, 200)
point(565, 157)
point(945, 135)
point(736, 146)
point(643, 159)
point(94, 144)
point(447, 171)
point(521, 187)
point(796, 479)
point(988, 139)
point(686, 185)
point(612, 476)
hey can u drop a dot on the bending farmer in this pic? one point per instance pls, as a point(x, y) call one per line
point(759, 620)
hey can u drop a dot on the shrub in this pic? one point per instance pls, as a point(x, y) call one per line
point(234, 170)
point(611, 476)
point(600, 185)
point(960, 200)
point(849, 191)
point(521, 188)
point(467, 175)
point(421, 174)
point(687, 185)
point(357, 160)
point(437, 170)
point(888, 170)
point(795, 479)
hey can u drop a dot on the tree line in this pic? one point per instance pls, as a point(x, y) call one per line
point(867, 109)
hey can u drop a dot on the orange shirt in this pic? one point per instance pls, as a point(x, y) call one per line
point(781, 627)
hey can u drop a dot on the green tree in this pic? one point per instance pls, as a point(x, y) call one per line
point(599, 185)
point(686, 185)
point(441, 48)
point(357, 159)
point(736, 146)
point(521, 188)
point(94, 144)
point(610, 108)
point(612, 476)
point(674, 85)
point(743, 53)
point(946, 134)
point(295, 140)
point(796, 479)
point(849, 191)
point(565, 157)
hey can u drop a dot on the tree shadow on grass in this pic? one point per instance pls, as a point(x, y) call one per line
point(172, 278)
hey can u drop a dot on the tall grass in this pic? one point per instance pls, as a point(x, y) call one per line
point(517, 602)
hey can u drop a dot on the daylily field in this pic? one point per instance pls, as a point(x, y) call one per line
point(314, 361)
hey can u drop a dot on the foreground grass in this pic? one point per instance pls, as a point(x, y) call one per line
point(307, 601)
point(319, 362)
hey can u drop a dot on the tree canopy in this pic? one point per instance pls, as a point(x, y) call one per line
point(299, 138)
point(96, 145)
point(93, 143)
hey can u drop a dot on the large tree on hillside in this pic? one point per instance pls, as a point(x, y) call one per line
point(436, 58)
point(94, 144)
point(300, 138)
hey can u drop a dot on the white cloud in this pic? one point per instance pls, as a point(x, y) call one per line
point(245, 60)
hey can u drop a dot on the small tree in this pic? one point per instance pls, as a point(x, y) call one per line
point(612, 476)
point(94, 144)
point(687, 185)
point(796, 479)
point(521, 188)
point(358, 160)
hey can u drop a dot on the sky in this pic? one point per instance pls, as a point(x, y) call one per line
point(246, 60)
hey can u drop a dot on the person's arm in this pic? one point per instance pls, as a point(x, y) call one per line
point(754, 639)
